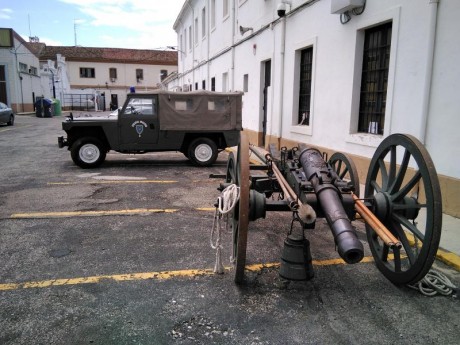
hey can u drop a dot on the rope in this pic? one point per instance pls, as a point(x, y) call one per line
point(225, 204)
point(433, 283)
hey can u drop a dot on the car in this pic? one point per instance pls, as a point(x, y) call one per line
point(6, 114)
point(199, 124)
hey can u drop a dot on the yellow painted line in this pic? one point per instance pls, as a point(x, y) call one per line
point(205, 209)
point(10, 128)
point(97, 279)
point(111, 182)
point(162, 275)
point(90, 213)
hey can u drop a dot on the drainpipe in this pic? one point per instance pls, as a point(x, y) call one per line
point(208, 26)
point(233, 45)
point(281, 91)
point(429, 68)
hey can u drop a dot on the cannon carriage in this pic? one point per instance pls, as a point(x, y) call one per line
point(401, 205)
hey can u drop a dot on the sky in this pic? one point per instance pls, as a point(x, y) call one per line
point(135, 24)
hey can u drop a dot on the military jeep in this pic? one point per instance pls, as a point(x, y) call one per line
point(199, 124)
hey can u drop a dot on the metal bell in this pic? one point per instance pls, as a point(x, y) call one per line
point(296, 259)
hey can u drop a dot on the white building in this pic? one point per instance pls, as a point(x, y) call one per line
point(19, 72)
point(302, 69)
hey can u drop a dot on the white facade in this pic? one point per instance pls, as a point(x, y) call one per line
point(423, 76)
point(22, 79)
point(54, 78)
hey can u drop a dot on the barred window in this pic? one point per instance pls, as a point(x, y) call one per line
point(306, 62)
point(374, 79)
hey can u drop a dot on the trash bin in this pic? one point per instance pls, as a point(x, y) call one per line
point(43, 107)
point(38, 108)
point(57, 107)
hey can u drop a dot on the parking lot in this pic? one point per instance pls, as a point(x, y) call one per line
point(121, 255)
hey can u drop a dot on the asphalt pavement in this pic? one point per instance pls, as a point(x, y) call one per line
point(121, 255)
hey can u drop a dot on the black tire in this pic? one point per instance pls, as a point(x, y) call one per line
point(11, 122)
point(202, 152)
point(88, 152)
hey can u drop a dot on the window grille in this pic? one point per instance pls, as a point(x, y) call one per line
point(306, 63)
point(374, 79)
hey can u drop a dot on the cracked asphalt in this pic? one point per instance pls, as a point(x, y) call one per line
point(73, 272)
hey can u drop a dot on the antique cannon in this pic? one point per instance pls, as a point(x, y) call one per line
point(401, 205)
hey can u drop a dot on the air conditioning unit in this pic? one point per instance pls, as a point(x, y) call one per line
point(185, 88)
point(342, 6)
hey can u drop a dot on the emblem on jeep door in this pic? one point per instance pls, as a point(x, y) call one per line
point(139, 126)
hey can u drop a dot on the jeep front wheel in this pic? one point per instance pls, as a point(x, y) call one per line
point(88, 152)
point(202, 152)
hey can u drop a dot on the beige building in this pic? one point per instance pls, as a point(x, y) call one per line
point(110, 73)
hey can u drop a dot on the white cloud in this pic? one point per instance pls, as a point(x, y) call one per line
point(148, 24)
point(5, 13)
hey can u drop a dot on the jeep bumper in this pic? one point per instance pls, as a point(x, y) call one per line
point(62, 142)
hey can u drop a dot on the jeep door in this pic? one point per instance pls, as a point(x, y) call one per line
point(138, 122)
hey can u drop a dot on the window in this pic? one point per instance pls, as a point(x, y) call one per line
point(225, 8)
point(190, 38)
point(184, 105)
point(113, 74)
point(203, 22)
point(246, 82)
point(139, 74)
point(374, 79)
point(196, 86)
point(196, 30)
point(213, 84)
point(33, 70)
point(306, 63)
point(141, 106)
point(163, 74)
point(224, 82)
point(216, 105)
point(22, 67)
point(213, 14)
point(185, 41)
point(181, 45)
point(87, 72)
point(203, 84)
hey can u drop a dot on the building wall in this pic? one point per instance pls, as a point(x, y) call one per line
point(126, 78)
point(21, 85)
point(420, 96)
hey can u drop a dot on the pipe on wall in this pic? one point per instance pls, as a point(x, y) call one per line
point(432, 22)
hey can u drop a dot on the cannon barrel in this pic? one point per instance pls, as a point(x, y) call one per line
point(318, 173)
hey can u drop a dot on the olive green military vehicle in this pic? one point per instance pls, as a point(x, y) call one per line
point(199, 124)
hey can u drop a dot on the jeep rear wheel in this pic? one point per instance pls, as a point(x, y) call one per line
point(88, 152)
point(202, 152)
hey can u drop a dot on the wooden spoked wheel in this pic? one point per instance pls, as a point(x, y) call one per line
point(403, 187)
point(346, 170)
point(238, 173)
